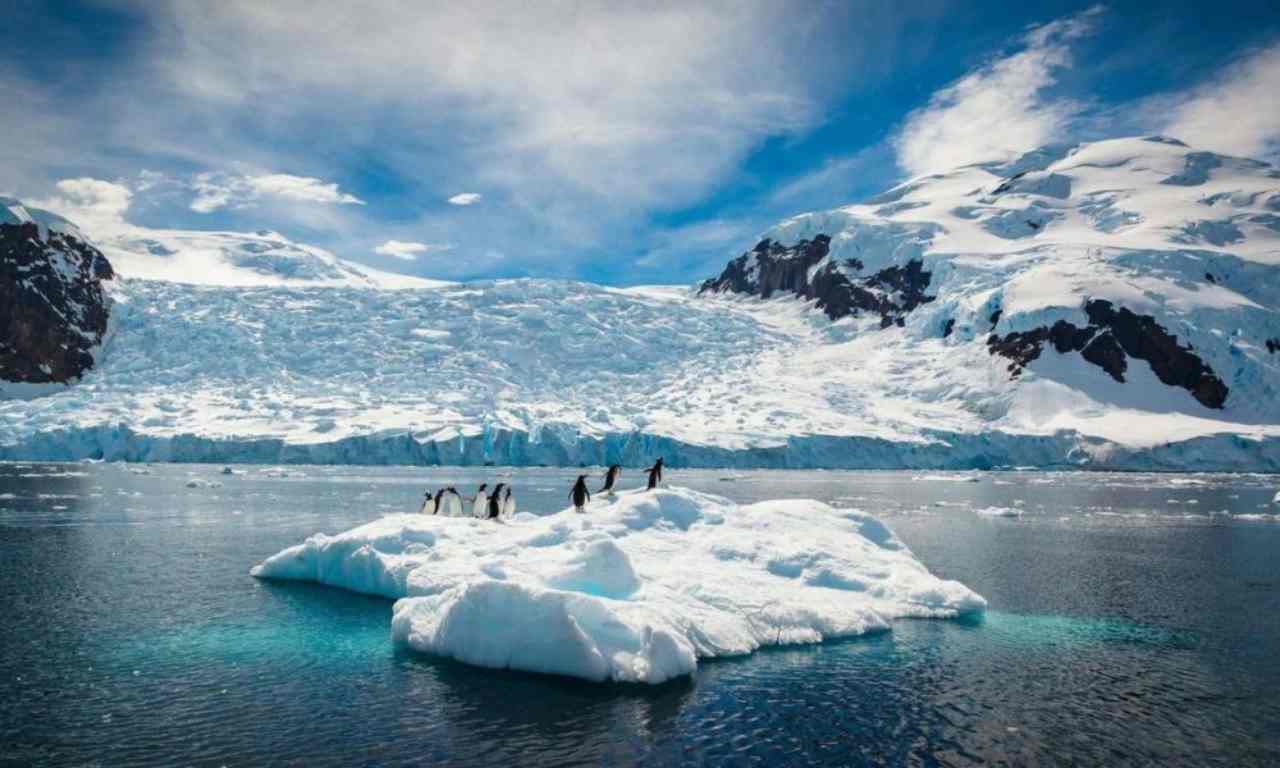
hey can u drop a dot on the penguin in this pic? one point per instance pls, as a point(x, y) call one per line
point(478, 501)
point(426, 504)
point(610, 478)
point(452, 502)
point(509, 504)
point(658, 466)
point(655, 472)
point(495, 503)
point(580, 494)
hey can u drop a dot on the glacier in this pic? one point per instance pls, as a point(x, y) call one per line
point(594, 595)
point(290, 357)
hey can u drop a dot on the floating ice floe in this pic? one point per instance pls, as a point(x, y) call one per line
point(637, 589)
point(999, 512)
point(196, 482)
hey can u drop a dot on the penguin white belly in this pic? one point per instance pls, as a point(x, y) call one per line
point(478, 508)
point(453, 505)
point(509, 508)
point(427, 506)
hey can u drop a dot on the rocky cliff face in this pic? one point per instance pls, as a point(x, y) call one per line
point(1111, 338)
point(839, 287)
point(53, 309)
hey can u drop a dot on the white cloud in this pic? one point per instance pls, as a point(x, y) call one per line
point(94, 205)
point(1236, 112)
point(999, 110)
point(408, 251)
point(465, 198)
point(215, 191)
point(302, 188)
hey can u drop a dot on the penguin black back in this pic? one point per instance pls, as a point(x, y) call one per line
point(495, 502)
point(610, 477)
point(580, 494)
point(655, 472)
point(435, 508)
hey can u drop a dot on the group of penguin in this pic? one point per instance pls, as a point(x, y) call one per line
point(580, 495)
point(502, 503)
point(448, 502)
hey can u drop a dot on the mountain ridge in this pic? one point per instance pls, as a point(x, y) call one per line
point(1066, 309)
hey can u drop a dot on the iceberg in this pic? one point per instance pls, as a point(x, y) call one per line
point(637, 589)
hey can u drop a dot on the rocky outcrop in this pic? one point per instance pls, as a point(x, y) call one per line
point(1112, 336)
point(1273, 345)
point(805, 270)
point(53, 309)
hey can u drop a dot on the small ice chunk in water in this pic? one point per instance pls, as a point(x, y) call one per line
point(999, 512)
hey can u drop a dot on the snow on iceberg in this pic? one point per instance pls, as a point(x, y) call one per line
point(999, 512)
point(635, 590)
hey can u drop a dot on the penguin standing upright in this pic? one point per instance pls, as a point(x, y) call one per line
point(452, 502)
point(495, 503)
point(435, 503)
point(610, 478)
point(426, 504)
point(479, 501)
point(658, 466)
point(655, 474)
point(509, 504)
point(580, 494)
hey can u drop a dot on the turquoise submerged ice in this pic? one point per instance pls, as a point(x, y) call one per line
point(637, 589)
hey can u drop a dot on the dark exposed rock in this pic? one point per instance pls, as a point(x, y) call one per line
point(771, 267)
point(53, 310)
point(1105, 352)
point(1209, 276)
point(1273, 345)
point(949, 328)
point(1195, 171)
point(995, 318)
point(1112, 336)
point(1008, 183)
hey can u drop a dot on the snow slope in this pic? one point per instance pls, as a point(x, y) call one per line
point(595, 596)
point(554, 372)
point(239, 259)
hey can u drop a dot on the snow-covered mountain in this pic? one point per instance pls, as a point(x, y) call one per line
point(1111, 304)
point(239, 259)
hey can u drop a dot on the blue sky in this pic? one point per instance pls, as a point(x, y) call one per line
point(606, 142)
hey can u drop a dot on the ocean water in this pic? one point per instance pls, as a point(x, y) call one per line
point(1135, 619)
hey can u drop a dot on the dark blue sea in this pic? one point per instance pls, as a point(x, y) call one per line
point(1134, 620)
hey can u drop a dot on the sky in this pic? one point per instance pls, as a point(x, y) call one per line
point(620, 143)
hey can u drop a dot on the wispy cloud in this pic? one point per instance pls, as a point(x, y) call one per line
point(1236, 112)
point(465, 198)
point(94, 205)
point(1000, 109)
point(408, 251)
point(215, 191)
